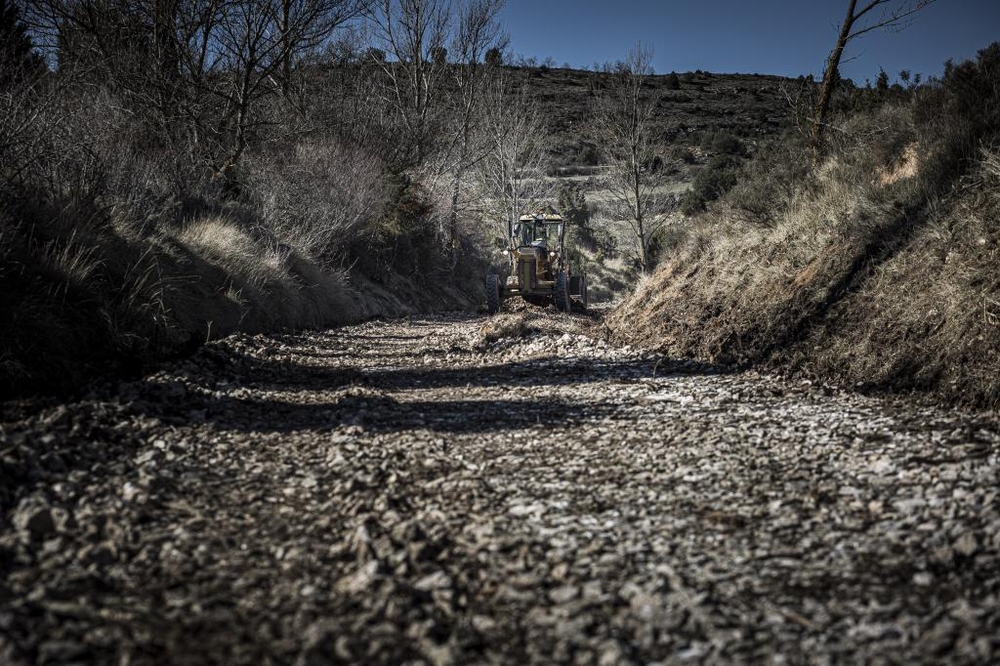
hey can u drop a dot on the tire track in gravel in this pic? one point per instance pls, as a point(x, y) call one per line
point(455, 490)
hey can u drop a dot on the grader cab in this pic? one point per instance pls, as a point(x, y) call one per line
point(539, 270)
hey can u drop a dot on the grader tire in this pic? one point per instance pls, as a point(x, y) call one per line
point(578, 287)
point(492, 293)
point(560, 294)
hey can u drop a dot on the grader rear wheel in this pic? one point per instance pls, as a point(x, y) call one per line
point(578, 288)
point(560, 293)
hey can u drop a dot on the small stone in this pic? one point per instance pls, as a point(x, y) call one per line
point(966, 545)
point(610, 653)
point(147, 457)
point(102, 554)
point(438, 580)
point(360, 580)
point(483, 624)
point(129, 491)
point(564, 594)
point(34, 520)
point(60, 651)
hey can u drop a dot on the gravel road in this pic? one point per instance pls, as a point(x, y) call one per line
point(506, 490)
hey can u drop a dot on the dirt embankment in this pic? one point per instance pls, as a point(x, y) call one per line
point(456, 490)
point(903, 299)
point(104, 303)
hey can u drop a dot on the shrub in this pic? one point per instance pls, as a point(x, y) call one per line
point(960, 114)
point(714, 180)
point(316, 196)
point(573, 207)
point(403, 237)
point(588, 154)
point(724, 143)
point(494, 57)
point(768, 183)
point(682, 153)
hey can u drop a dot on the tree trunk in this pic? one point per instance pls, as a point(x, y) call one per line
point(830, 76)
point(453, 215)
point(286, 46)
point(639, 221)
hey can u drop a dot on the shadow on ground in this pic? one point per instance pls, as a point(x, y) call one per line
point(274, 396)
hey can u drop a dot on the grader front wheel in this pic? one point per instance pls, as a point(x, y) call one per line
point(492, 293)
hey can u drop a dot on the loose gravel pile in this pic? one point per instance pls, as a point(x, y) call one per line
point(504, 490)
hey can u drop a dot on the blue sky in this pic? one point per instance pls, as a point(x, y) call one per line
point(746, 36)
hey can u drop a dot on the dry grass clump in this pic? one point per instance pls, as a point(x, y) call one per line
point(879, 270)
point(86, 303)
point(269, 284)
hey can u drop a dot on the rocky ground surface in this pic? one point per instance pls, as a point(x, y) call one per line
point(505, 490)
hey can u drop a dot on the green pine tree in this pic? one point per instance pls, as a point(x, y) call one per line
point(882, 82)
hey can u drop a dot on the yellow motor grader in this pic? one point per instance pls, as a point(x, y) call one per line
point(539, 268)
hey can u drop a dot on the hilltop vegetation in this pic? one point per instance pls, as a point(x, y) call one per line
point(691, 109)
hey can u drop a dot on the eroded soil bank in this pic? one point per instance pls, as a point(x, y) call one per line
point(456, 490)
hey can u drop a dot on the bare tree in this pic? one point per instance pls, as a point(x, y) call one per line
point(510, 174)
point(411, 32)
point(623, 116)
point(477, 33)
point(253, 45)
point(861, 18)
point(305, 25)
point(201, 67)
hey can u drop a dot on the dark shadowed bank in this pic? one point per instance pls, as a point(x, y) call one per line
point(878, 267)
point(79, 304)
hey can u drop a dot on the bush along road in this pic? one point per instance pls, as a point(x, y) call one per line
point(468, 490)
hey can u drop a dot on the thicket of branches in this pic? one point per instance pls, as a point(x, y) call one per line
point(329, 120)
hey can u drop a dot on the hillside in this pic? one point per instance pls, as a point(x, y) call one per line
point(749, 106)
point(875, 269)
point(703, 128)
